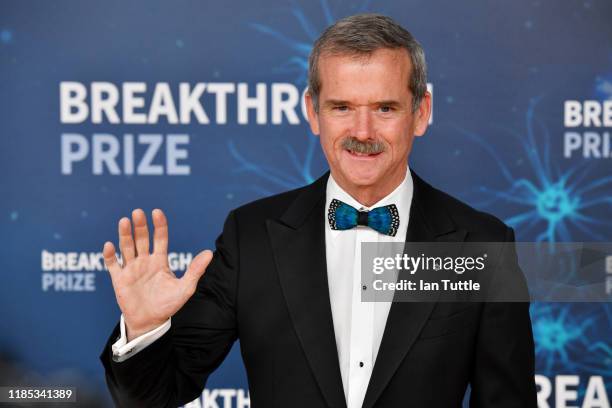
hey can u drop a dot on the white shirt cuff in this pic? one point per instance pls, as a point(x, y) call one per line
point(122, 350)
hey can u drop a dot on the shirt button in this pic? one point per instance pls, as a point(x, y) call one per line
point(364, 287)
point(361, 364)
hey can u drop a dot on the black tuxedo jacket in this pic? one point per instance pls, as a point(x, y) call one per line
point(267, 287)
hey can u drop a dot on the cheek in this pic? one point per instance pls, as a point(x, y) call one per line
point(332, 135)
point(330, 146)
point(397, 137)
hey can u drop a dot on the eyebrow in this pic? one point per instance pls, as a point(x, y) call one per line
point(388, 103)
point(335, 102)
point(340, 102)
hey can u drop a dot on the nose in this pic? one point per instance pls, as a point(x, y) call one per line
point(362, 128)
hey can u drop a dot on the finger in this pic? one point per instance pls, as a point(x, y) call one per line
point(141, 232)
point(110, 258)
point(196, 269)
point(126, 241)
point(160, 232)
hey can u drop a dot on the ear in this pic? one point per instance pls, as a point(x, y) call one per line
point(422, 115)
point(313, 116)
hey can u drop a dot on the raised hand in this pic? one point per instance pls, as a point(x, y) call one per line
point(147, 291)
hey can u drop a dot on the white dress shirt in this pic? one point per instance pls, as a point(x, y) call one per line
point(358, 326)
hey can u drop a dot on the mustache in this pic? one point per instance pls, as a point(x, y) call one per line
point(363, 147)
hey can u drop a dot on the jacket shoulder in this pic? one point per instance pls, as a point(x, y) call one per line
point(268, 207)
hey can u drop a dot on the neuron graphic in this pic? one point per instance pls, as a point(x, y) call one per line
point(563, 332)
point(568, 336)
point(301, 168)
point(552, 199)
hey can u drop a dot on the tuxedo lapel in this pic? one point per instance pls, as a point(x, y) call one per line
point(298, 243)
point(428, 222)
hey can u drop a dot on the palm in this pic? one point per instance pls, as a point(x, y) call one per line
point(147, 291)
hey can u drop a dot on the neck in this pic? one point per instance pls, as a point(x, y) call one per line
point(368, 195)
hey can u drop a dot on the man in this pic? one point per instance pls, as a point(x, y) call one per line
point(285, 278)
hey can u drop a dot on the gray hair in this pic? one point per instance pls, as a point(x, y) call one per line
point(361, 35)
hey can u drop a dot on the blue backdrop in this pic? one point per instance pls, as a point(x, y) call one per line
point(190, 106)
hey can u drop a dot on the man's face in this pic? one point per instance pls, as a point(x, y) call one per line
point(365, 119)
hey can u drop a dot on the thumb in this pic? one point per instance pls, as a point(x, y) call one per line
point(196, 269)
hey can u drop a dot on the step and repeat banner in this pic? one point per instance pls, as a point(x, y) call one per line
point(195, 107)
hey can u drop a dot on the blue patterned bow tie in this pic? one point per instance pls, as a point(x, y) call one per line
point(384, 219)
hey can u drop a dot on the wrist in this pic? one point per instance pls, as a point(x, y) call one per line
point(134, 331)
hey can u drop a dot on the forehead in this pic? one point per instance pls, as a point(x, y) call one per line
point(383, 74)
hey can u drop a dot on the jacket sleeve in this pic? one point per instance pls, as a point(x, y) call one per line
point(173, 370)
point(503, 372)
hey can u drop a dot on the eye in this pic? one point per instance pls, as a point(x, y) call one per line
point(341, 108)
point(385, 108)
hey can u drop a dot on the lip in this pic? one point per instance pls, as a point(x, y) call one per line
point(365, 157)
